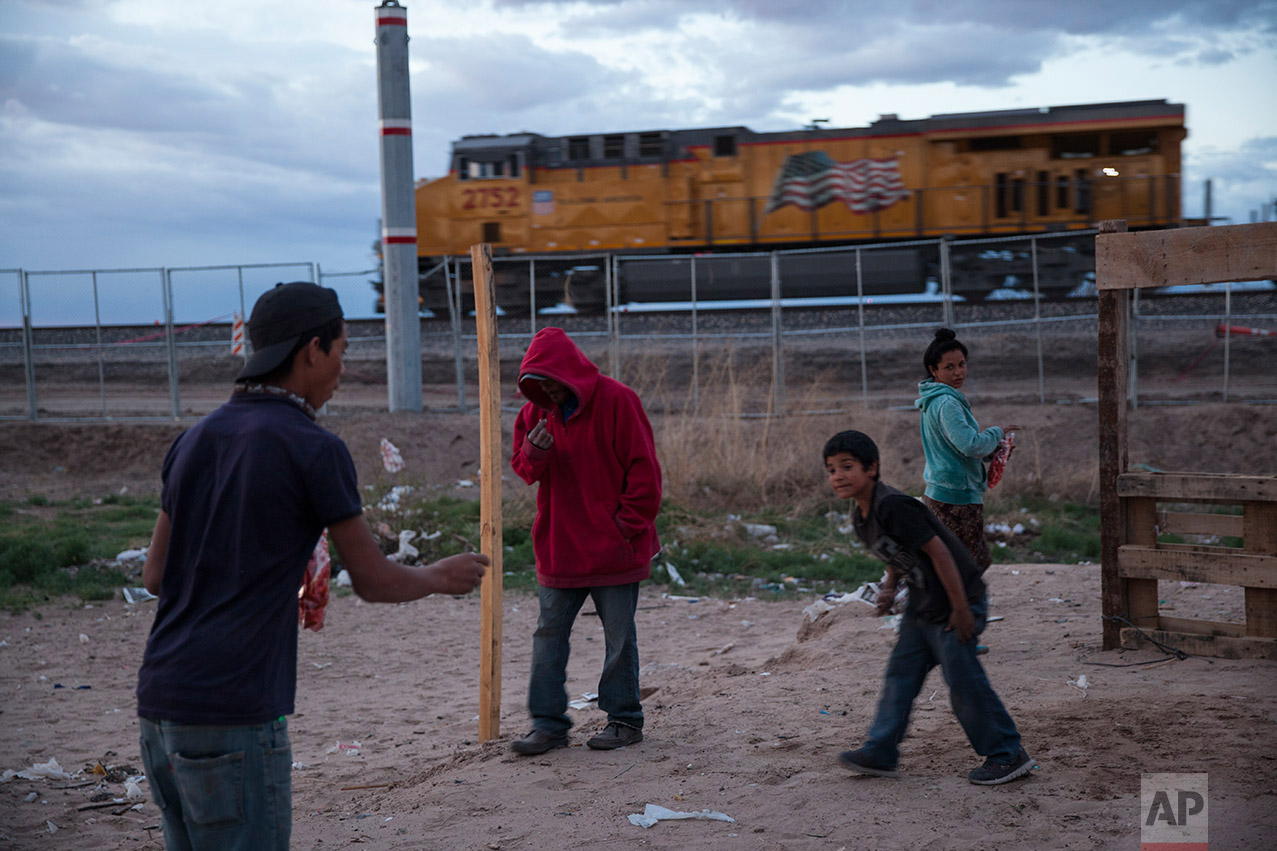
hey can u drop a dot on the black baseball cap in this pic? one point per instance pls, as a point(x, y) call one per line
point(282, 316)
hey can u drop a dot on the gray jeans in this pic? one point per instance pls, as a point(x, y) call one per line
point(619, 682)
point(220, 788)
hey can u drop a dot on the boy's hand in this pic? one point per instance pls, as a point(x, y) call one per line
point(961, 622)
point(886, 599)
point(540, 436)
point(459, 574)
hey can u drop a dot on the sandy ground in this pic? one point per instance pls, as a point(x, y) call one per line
point(749, 706)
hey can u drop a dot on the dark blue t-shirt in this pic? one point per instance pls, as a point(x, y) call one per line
point(248, 490)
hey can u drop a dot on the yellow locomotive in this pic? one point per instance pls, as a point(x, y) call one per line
point(730, 189)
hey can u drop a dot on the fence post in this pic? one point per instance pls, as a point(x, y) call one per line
point(1228, 324)
point(610, 276)
point(778, 358)
point(696, 345)
point(860, 318)
point(28, 345)
point(1037, 320)
point(532, 296)
point(97, 329)
point(175, 398)
point(454, 316)
point(946, 283)
point(1132, 349)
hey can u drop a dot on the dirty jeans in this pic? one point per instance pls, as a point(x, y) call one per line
point(619, 683)
point(220, 788)
point(920, 647)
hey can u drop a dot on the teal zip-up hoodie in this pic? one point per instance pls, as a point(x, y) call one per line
point(953, 445)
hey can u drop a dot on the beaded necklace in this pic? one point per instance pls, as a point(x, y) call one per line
point(271, 390)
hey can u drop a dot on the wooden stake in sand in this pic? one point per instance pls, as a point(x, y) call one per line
point(485, 310)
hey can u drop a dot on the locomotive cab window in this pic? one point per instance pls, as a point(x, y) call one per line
point(1069, 146)
point(724, 146)
point(578, 148)
point(1132, 143)
point(613, 147)
point(651, 145)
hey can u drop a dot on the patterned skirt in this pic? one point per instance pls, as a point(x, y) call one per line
point(966, 522)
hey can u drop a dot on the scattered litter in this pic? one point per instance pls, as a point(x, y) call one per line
point(390, 502)
point(343, 579)
point(349, 749)
point(994, 619)
point(1080, 683)
point(433, 536)
point(1015, 573)
point(132, 790)
point(137, 595)
point(584, 701)
point(1188, 584)
point(653, 813)
point(759, 530)
point(30, 798)
point(720, 651)
point(131, 555)
point(406, 549)
point(675, 576)
point(813, 612)
point(53, 828)
point(324, 665)
point(84, 639)
point(298, 766)
point(891, 622)
point(465, 483)
point(782, 546)
point(679, 597)
point(38, 770)
point(390, 457)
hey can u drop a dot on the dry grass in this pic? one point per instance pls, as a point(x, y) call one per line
point(717, 454)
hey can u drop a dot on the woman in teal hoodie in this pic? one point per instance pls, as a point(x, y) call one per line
point(954, 446)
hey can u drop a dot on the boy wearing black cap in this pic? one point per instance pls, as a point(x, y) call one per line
point(246, 494)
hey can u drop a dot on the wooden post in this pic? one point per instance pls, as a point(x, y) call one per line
point(1113, 315)
point(1260, 536)
point(485, 308)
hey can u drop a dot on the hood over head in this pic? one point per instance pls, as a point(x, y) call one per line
point(552, 354)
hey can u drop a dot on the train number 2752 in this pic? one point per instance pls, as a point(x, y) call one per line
point(496, 196)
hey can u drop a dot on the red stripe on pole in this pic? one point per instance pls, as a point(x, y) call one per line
point(392, 22)
point(404, 240)
point(396, 131)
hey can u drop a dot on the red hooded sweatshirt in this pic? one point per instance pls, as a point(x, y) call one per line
point(600, 480)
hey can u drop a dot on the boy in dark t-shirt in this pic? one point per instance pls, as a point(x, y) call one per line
point(246, 494)
point(946, 611)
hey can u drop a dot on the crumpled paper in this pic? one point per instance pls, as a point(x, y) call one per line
point(391, 457)
point(653, 813)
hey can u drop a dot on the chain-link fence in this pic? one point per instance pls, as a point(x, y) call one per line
point(786, 331)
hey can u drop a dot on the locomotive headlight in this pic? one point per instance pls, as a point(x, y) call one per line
point(1110, 171)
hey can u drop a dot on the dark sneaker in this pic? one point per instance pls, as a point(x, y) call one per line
point(996, 773)
point(858, 762)
point(615, 736)
point(539, 741)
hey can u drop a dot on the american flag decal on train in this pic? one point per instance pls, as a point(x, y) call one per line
point(813, 179)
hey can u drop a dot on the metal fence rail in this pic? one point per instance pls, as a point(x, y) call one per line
point(66, 355)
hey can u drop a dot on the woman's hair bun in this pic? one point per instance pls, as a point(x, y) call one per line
point(945, 334)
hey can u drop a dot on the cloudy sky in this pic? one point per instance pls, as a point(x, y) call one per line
point(163, 132)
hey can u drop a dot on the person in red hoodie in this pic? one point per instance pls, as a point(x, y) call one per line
point(584, 438)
